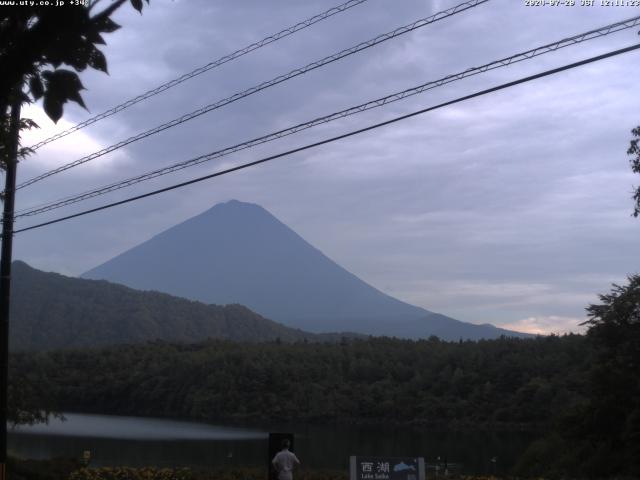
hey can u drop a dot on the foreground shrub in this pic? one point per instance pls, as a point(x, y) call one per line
point(127, 473)
point(150, 473)
point(54, 469)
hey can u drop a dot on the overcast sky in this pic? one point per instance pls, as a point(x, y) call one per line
point(513, 208)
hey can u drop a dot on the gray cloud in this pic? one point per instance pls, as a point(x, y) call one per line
point(509, 208)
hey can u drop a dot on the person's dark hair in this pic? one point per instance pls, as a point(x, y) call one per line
point(286, 443)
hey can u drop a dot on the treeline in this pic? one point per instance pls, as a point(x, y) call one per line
point(511, 383)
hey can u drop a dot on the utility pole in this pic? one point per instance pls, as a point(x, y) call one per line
point(5, 271)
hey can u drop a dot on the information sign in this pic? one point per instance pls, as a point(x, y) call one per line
point(386, 468)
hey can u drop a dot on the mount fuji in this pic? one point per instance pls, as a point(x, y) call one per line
point(239, 253)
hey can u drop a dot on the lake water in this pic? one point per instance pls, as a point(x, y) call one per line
point(136, 441)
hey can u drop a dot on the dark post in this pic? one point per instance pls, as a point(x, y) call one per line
point(5, 273)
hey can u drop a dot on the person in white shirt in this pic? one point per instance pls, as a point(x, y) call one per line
point(285, 461)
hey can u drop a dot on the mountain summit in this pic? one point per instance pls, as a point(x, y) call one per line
point(238, 252)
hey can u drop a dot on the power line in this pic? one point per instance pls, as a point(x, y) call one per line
point(205, 68)
point(338, 137)
point(591, 34)
point(264, 85)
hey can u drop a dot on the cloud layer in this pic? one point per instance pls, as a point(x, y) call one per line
point(512, 208)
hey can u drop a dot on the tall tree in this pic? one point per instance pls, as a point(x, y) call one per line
point(634, 149)
point(610, 424)
point(42, 50)
point(601, 438)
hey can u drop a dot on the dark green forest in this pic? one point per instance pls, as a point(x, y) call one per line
point(508, 383)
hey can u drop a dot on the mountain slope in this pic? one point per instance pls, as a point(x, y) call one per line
point(239, 253)
point(51, 311)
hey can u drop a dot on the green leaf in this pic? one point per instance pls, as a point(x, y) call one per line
point(52, 107)
point(137, 4)
point(98, 61)
point(36, 87)
point(27, 124)
point(63, 81)
point(80, 57)
point(61, 86)
point(106, 25)
point(24, 98)
point(95, 38)
point(76, 97)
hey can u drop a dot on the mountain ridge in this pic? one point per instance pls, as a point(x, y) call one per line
point(237, 252)
point(52, 311)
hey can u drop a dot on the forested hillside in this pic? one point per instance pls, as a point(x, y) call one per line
point(506, 382)
point(50, 311)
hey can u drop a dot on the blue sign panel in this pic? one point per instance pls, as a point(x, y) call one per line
point(386, 468)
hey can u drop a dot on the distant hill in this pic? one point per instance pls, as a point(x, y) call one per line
point(51, 311)
point(239, 253)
